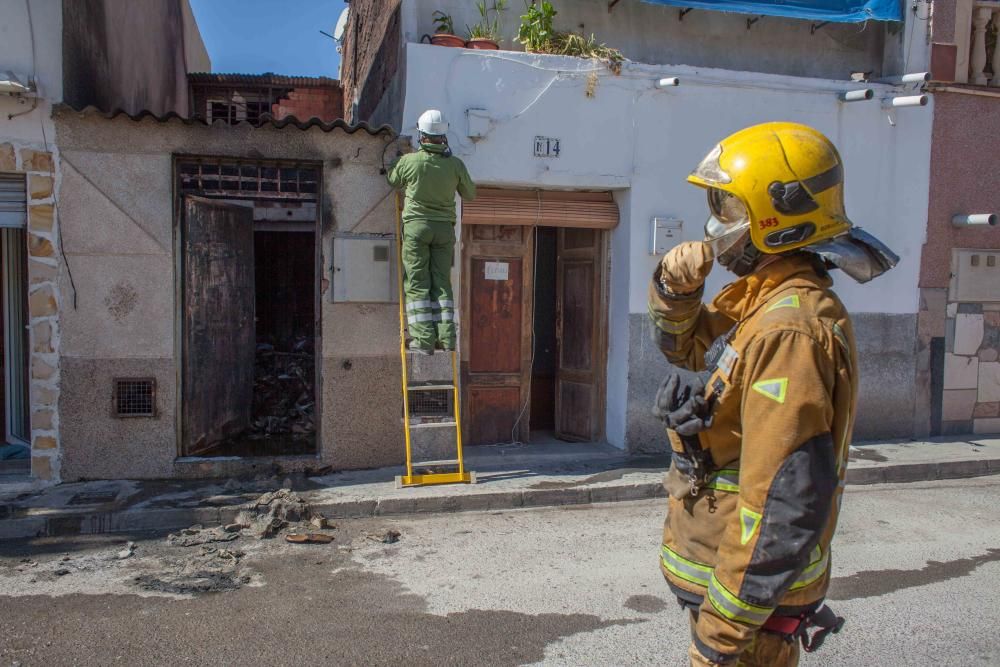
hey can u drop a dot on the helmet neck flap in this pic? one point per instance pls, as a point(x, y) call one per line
point(857, 253)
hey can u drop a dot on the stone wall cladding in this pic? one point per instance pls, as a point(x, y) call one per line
point(371, 54)
point(42, 176)
point(971, 395)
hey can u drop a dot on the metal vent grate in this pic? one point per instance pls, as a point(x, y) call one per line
point(135, 397)
point(431, 403)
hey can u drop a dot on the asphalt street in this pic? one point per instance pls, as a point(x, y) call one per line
point(916, 573)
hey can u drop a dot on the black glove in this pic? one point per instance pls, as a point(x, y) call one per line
point(681, 402)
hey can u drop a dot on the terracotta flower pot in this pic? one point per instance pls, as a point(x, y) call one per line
point(482, 44)
point(444, 39)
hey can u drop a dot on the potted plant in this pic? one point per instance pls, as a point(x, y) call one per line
point(444, 31)
point(487, 33)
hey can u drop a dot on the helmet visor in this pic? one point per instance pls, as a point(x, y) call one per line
point(728, 222)
point(709, 169)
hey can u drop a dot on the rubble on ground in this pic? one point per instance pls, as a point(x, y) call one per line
point(197, 535)
point(271, 512)
point(283, 394)
point(209, 570)
point(388, 537)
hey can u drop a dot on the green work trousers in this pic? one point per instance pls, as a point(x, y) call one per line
point(428, 248)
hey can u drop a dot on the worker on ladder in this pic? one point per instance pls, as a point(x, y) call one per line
point(429, 178)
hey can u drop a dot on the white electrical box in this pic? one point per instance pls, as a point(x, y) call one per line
point(975, 276)
point(479, 123)
point(666, 234)
point(364, 269)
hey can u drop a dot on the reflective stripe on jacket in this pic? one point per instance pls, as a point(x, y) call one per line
point(756, 537)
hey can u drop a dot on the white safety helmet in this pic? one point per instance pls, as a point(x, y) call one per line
point(432, 123)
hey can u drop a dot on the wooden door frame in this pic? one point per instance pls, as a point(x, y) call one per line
point(602, 295)
point(177, 197)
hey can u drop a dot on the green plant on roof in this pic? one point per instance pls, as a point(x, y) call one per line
point(536, 25)
point(490, 25)
point(538, 35)
point(443, 23)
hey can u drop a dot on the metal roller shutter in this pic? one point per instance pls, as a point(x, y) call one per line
point(13, 201)
point(583, 210)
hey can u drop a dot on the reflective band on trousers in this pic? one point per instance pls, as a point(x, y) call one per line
point(726, 479)
point(734, 608)
point(701, 574)
point(446, 304)
point(418, 305)
point(423, 317)
point(447, 316)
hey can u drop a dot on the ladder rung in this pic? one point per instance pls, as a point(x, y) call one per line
point(429, 387)
point(431, 464)
point(447, 424)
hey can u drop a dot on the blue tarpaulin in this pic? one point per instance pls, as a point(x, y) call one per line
point(840, 11)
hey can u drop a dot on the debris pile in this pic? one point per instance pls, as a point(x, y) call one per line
point(283, 396)
point(210, 570)
point(197, 535)
point(271, 512)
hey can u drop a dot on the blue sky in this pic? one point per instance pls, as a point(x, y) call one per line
point(257, 36)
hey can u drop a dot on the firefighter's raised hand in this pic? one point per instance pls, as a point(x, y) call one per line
point(685, 267)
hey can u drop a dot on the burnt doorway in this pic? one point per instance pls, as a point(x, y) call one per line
point(249, 256)
point(532, 334)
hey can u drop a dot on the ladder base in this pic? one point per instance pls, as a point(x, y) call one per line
point(436, 478)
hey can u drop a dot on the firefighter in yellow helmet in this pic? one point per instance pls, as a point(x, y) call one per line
point(760, 396)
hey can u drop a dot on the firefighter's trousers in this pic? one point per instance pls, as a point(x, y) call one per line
point(767, 649)
point(428, 248)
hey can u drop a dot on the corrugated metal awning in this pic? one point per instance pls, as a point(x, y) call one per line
point(838, 11)
point(545, 208)
point(13, 201)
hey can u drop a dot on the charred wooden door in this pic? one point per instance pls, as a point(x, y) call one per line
point(496, 351)
point(217, 356)
point(579, 376)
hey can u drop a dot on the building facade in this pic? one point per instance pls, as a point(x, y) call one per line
point(959, 335)
point(103, 54)
point(552, 139)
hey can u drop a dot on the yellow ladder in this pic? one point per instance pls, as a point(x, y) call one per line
point(461, 475)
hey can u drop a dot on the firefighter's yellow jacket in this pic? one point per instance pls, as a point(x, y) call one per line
point(755, 540)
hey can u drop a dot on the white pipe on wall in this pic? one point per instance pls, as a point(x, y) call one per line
point(975, 219)
point(905, 101)
point(913, 77)
point(856, 95)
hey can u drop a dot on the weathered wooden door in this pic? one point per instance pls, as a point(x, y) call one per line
point(496, 352)
point(218, 322)
point(579, 406)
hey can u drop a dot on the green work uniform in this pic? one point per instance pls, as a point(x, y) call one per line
point(430, 178)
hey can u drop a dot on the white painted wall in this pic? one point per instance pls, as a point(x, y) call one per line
point(643, 142)
point(653, 34)
point(46, 66)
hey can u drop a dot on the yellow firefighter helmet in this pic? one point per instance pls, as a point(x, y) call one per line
point(784, 182)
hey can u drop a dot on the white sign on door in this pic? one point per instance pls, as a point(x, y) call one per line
point(497, 270)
